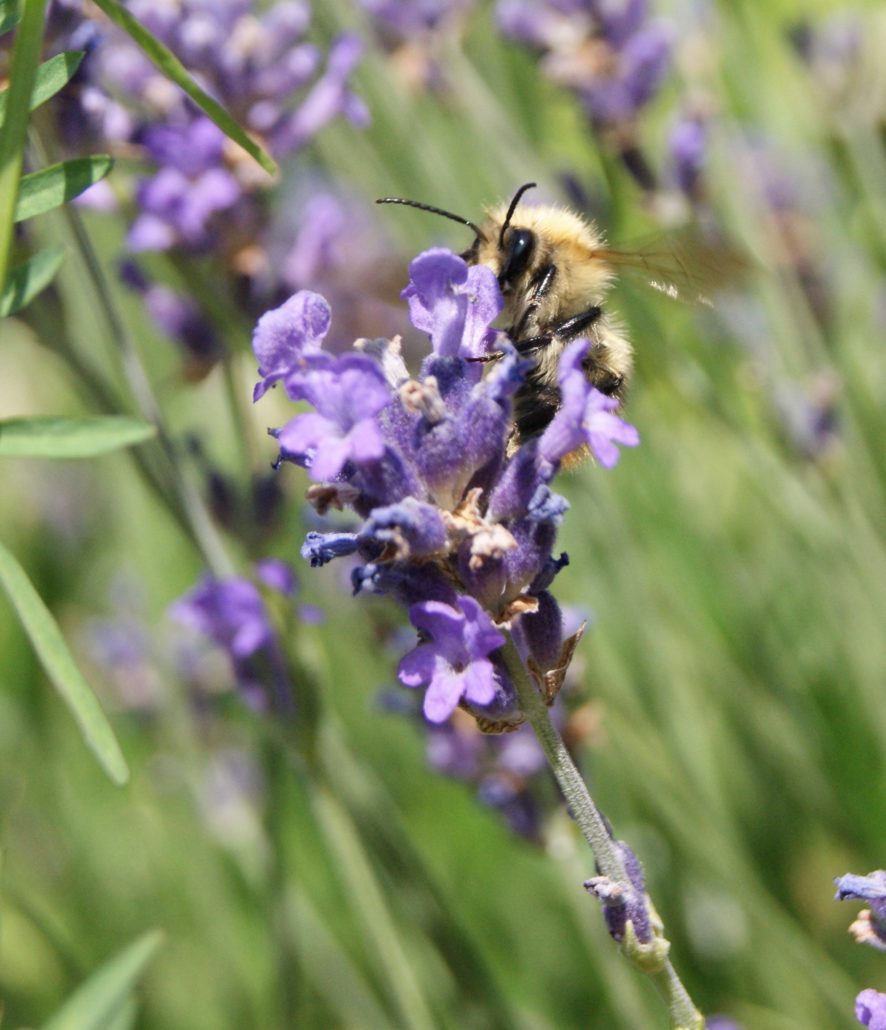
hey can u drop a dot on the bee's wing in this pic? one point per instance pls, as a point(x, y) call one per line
point(684, 267)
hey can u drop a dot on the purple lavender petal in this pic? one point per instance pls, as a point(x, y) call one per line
point(285, 334)
point(454, 663)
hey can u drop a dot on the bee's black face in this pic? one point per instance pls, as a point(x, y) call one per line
point(518, 253)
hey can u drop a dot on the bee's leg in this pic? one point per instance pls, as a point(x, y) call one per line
point(563, 331)
point(542, 281)
point(576, 325)
point(495, 355)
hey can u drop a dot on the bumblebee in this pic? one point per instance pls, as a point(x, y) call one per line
point(554, 271)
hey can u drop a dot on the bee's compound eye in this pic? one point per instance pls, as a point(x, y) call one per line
point(520, 245)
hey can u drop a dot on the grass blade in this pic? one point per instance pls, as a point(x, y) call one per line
point(9, 15)
point(173, 69)
point(56, 185)
point(50, 437)
point(56, 659)
point(52, 75)
point(29, 278)
point(99, 1002)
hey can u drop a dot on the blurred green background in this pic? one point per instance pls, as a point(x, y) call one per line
point(735, 565)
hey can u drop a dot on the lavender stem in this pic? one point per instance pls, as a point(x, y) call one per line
point(684, 1014)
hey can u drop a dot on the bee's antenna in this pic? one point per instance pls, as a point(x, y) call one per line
point(433, 210)
point(501, 236)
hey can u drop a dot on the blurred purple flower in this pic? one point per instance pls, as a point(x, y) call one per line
point(687, 146)
point(870, 1009)
point(232, 614)
point(612, 55)
point(454, 662)
point(329, 97)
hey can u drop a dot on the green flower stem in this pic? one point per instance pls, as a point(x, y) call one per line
point(684, 1015)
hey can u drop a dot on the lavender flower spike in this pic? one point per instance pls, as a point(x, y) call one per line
point(454, 663)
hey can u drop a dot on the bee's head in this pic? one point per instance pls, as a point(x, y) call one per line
point(515, 245)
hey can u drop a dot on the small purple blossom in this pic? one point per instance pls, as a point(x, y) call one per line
point(452, 303)
point(454, 662)
point(586, 416)
point(870, 1009)
point(321, 548)
point(624, 902)
point(284, 336)
point(348, 393)
point(870, 926)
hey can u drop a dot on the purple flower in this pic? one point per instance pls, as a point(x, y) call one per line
point(348, 394)
point(230, 612)
point(870, 926)
point(452, 303)
point(454, 663)
point(585, 416)
point(329, 97)
point(284, 336)
point(611, 54)
point(320, 548)
point(624, 902)
point(687, 144)
point(457, 523)
point(233, 615)
point(870, 1009)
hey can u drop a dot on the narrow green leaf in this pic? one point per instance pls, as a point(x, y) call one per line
point(51, 76)
point(56, 185)
point(50, 437)
point(173, 69)
point(9, 15)
point(61, 669)
point(29, 278)
point(25, 61)
point(98, 1003)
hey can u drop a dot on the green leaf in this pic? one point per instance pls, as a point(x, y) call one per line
point(56, 185)
point(98, 1003)
point(25, 61)
point(29, 278)
point(51, 76)
point(56, 659)
point(50, 437)
point(10, 14)
point(173, 69)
